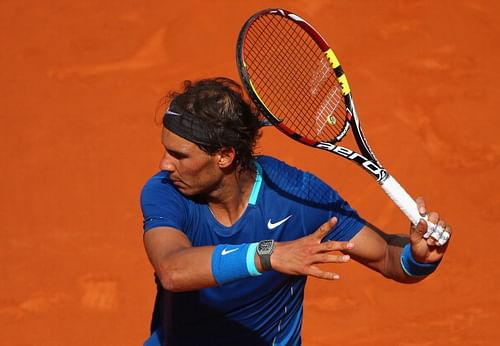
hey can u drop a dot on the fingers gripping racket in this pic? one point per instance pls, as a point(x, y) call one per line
point(296, 81)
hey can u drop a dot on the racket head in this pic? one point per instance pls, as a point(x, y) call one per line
point(294, 78)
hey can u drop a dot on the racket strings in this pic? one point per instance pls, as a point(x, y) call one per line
point(327, 108)
point(293, 78)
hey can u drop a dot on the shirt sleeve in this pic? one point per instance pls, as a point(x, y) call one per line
point(162, 205)
point(349, 223)
point(327, 204)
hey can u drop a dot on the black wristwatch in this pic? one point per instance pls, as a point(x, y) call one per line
point(264, 250)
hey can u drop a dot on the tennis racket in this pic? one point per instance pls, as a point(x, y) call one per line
point(296, 81)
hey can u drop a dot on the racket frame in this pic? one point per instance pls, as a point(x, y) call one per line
point(366, 158)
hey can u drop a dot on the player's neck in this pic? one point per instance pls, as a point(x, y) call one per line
point(231, 199)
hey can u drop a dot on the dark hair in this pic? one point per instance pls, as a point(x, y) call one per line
point(221, 104)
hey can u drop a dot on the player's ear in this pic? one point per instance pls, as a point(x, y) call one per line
point(226, 157)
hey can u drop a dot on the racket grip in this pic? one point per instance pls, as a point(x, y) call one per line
point(409, 207)
point(402, 199)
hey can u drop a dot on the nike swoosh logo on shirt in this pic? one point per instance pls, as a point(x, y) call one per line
point(226, 251)
point(273, 225)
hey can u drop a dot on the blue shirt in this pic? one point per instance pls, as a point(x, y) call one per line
point(285, 204)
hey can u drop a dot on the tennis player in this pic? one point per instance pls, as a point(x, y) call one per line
point(232, 237)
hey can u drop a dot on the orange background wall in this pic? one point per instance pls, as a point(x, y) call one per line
point(80, 86)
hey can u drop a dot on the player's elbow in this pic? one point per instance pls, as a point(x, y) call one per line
point(169, 279)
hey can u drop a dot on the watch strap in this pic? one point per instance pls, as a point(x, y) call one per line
point(265, 262)
point(265, 255)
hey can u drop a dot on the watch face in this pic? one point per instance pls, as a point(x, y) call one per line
point(265, 246)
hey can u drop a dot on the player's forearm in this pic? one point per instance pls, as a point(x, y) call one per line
point(392, 264)
point(191, 268)
point(186, 269)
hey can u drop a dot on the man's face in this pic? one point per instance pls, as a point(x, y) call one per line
point(192, 170)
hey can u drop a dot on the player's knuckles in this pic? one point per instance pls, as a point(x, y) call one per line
point(306, 250)
point(433, 217)
point(335, 245)
point(420, 204)
point(326, 227)
point(329, 258)
point(323, 230)
point(421, 227)
point(327, 246)
point(328, 275)
point(340, 258)
point(431, 241)
point(322, 258)
point(318, 273)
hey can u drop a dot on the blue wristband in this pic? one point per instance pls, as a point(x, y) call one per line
point(251, 268)
point(232, 262)
point(413, 268)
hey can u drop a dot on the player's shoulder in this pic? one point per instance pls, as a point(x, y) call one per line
point(273, 166)
point(159, 179)
point(158, 184)
point(277, 170)
point(293, 181)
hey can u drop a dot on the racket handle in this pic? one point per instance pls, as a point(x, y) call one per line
point(409, 207)
point(404, 201)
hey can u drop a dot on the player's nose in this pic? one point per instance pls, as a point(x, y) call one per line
point(166, 163)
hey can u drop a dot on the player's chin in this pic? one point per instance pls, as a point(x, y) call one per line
point(194, 190)
point(181, 187)
point(187, 190)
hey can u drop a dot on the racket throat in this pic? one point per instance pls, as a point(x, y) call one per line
point(371, 167)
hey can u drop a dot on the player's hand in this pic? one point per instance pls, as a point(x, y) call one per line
point(425, 244)
point(302, 256)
